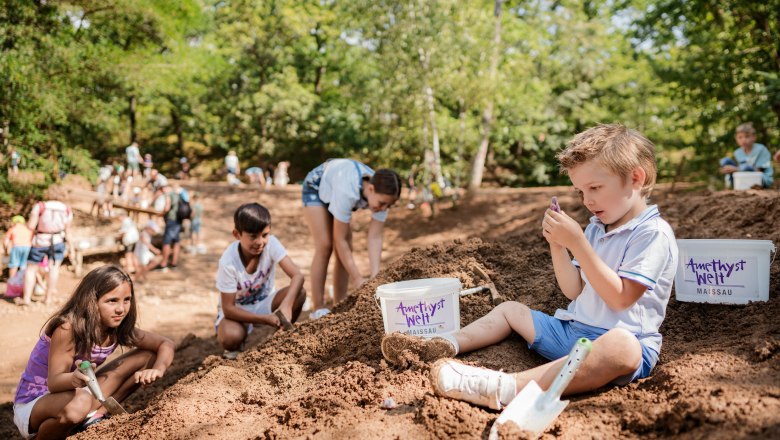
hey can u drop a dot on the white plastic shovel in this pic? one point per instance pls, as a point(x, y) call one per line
point(533, 410)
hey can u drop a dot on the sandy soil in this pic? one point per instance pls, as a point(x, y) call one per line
point(718, 376)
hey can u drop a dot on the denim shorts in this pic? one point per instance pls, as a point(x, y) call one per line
point(172, 231)
point(18, 257)
point(37, 253)
point(310, 194)
point(555, 339)
point(195, 226)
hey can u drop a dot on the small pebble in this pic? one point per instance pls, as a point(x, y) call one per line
point(389, 403)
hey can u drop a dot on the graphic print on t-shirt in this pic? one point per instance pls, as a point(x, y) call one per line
point(256, 290)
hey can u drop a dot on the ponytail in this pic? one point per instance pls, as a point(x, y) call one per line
point(387, 181)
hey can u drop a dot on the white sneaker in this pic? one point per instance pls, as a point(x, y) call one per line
point(230, 355)
point(319, 313)
point(476, 385)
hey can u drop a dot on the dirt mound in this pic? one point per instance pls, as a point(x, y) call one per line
point(718, 376)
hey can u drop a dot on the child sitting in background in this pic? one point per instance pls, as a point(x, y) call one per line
point(129, 236)
point(147, 255)
point(15, 284)
point(51, 398)
point(619, 283)
point(245, 280)
point(17, 244)
point(750, 156)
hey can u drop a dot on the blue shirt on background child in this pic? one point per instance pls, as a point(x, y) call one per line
point(758, 159)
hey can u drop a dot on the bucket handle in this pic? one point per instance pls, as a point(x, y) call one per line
point(376, 300)
point(774, 251)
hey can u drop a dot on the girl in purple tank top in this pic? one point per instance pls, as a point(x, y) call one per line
point(52, 397)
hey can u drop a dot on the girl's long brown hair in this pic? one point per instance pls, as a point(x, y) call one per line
point(81, 311)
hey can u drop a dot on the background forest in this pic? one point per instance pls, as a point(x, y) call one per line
point(504, 83)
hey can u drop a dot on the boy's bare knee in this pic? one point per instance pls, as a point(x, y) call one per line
point(513, 308)
point(231, 339)
point(231, 343)
point(627, 348)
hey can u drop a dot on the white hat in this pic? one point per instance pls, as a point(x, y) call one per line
point(152, 225)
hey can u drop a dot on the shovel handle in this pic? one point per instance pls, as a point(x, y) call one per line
point(92, 384)
point(478, 289)
point(577, 355)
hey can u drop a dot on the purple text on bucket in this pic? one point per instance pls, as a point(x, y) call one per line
point(420, 313)
point(714, 272)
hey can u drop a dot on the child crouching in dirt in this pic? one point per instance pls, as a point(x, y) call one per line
point(52, 398)
point(245, 279)
point(619, 282)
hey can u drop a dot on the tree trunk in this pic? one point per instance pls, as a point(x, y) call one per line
point(320, 72)
point(176, 121)
point(131, 110)
point(436, 166)
point(487, 115)
point(461, 142)
point(5, 135)
point(53, 157)
point(428, 95)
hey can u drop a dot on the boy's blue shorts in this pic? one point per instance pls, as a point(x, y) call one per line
point(18, 257)
point(555, 339)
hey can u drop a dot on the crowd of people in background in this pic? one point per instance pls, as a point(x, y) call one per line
point(36, 247)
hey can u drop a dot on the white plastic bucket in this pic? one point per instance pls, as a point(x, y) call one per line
point(746, 179)
point(426, 307)
point(723, 271)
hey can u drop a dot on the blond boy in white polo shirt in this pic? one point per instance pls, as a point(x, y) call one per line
point(619, 282)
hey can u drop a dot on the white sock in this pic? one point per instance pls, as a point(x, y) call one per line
point(451, 338)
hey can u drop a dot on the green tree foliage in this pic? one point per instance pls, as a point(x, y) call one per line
point(389, 82)
point(721, 64)
point(69, 68)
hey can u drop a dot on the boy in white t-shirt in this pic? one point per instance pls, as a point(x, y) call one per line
point(245, 280)
point(619, 283)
